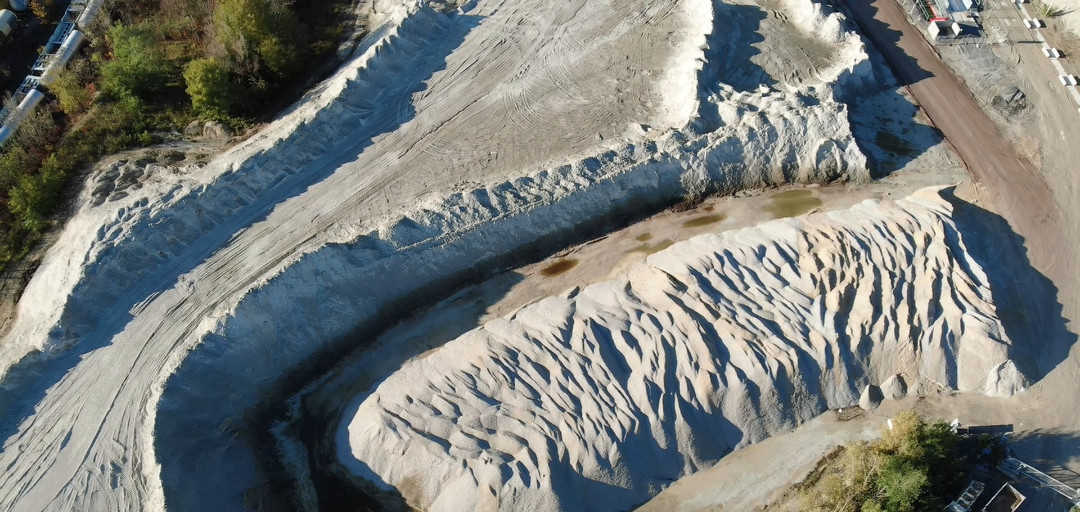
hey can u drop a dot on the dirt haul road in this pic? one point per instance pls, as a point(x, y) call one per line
point(1005, 180)
point(1040, 204)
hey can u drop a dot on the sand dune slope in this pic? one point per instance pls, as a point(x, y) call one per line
point(596, 398)
point(452, 144)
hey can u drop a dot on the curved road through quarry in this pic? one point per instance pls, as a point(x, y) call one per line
point(451, 141)
point(510, 67)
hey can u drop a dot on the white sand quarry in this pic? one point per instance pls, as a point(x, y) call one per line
point(454, 142)
point(595, 399)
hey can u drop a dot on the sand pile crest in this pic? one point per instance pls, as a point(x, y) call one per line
point(596, 398)
point(237, 274)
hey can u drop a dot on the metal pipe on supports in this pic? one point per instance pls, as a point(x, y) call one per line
point(62, 56)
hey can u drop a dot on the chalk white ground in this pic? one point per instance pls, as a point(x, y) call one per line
point(1043, 131)
point(489, 129)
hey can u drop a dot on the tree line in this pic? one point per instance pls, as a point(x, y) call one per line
point(151, 67)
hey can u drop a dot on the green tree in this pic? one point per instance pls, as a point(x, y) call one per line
point(872, 506)
point(259, 33)
point(138, 66)
point(71, 93)
point(914, 466)
point(901, 486)
point(35, 196)
point(208, 86)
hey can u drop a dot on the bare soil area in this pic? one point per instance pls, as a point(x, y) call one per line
point(1023, 162)
point(1045, 132)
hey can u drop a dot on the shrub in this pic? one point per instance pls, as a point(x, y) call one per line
point(41, 9)
point(138, 66)
point(209, 86)
point(73, 97)
point(35, 196)
point(73, 89)
point(1049, 10)
point(914, 466)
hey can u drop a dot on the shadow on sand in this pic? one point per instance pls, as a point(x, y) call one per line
point(1047, 451)
point(886, 129)
point(28, 382)
point(181, 467)
point(884, 123)
point(866, 14)
point(983, 232)
point(728, 59)
point(1025, 299)
point(322, 410)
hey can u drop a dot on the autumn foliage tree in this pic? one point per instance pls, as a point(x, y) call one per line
point(259, 35)
point(915, 466)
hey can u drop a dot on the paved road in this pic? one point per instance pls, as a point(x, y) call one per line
point(1006, 20)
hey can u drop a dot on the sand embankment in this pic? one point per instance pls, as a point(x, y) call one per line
point(755, 138)
point(597, 398)
point(500, 132)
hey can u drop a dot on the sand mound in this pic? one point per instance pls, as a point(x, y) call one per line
point(501, 131)
point(894, 388)
point(595, 399)
point(870, 398)
point(755, 138)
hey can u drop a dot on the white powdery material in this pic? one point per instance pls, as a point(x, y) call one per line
point(680, 80)
point(851, 71)
point(812, 17)
point(171, 210)
point(172, 214)
point(238, 274)
point(307, 303)
point(321, 298)
point(595, 399)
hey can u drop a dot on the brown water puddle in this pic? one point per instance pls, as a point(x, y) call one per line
point(704, 220)
point(792, 203)
point(644, 237)
point(652, 248)
point(559, 267)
